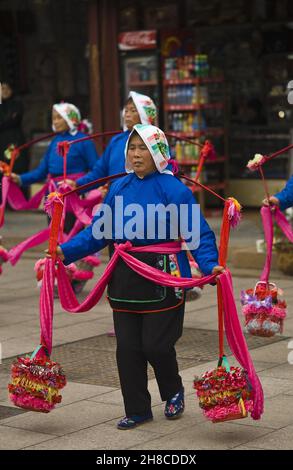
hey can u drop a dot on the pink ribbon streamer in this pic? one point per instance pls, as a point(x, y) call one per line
point(283, 224)
point(267, 216)
point(237, 342)
point(69, 302)
point(12, 194)
point(47, 305)
point(16, 252)
point(267, 221)
point(82, 209)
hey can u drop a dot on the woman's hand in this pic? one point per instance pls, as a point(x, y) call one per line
point(15, 178)
point(273, 200)
point(69, 182)
point(59, 253)
point(218, 270)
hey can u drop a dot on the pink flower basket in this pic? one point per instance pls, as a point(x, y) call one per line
point(35, 383)
point(263, 309)
point(224, 394)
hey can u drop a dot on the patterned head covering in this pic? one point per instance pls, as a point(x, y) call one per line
point(145, 106)
point(156, 142)
point(70, 114)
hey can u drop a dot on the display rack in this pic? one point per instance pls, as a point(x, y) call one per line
point(195, 108)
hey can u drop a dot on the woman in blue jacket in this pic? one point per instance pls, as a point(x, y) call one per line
point(148, 318)
point(81, 157)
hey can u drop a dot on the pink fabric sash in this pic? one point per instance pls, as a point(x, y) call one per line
point(267, 220)
point(283, 224)
point(237, 342)
point(16, 252)
point(82, 209)
point(69, 302)
point(12, 194)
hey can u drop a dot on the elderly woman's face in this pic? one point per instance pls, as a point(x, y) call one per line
point(140, 157)
point(131, 116)
point(58, 122)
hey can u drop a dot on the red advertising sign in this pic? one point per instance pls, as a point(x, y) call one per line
point(133, 40)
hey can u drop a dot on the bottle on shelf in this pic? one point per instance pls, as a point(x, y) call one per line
point(186, 67)
point(186, 152)
point(193, 172)
point(188, 90)
point(178, 151)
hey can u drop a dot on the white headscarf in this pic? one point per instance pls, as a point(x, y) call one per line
point(156, 142)
point(145, 106)
point(70, 114)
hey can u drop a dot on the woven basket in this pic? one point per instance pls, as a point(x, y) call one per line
point(224, 394)
point(35, 383)
point(263, 311)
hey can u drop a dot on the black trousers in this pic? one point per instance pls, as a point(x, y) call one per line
point(143, 338)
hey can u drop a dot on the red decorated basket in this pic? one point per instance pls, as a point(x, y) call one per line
point(224, 393)
point(263, 309)
point(35, 383)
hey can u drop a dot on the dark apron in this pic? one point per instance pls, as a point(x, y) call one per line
point(129, 291)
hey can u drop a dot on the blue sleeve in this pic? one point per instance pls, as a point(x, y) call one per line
point(83, 244)
point(90, 153)
point(286, 195)
point(100, 169)
point(38, 174)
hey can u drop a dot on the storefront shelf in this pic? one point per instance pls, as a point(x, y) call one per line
point(143, 83)
point(193, 107)
point(193, 81)
point(207, 162)
point(210, 131)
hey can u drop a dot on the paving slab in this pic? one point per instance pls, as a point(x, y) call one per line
point(103, 436)
point(282, 371)
point(206, 436)
point(14, 439)
point(278, 413)
point(66, 419)
point(277, 440)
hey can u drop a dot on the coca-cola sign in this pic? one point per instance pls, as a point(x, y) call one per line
point(137, 40)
